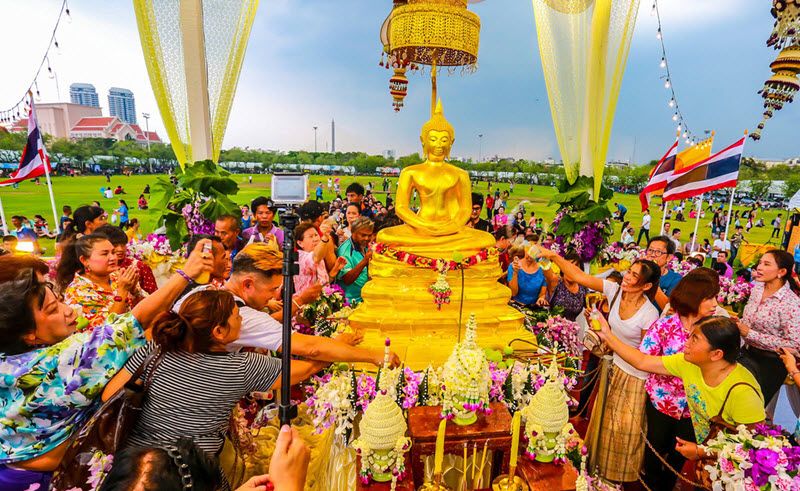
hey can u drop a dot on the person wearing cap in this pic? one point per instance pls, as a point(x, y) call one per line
point(265, 228)
point(475, 220)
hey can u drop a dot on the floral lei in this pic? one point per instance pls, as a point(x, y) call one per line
point(440, 289)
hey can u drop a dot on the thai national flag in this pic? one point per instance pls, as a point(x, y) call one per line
point(719, 171)
point(658, 178)
point(34, 156)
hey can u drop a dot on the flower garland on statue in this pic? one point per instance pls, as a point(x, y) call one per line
point(762, 458)
point(440, 289)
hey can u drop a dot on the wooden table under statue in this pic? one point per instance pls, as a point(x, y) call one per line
point(423, 424)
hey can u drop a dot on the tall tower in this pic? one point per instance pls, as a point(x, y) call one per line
point(84, 94)
point(122, 105)
point(333, 136)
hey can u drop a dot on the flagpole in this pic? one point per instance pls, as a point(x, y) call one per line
point(730, 211)
point(46, 164)
point(52, 199)
point(663, 215)
point(3, 217)
point(697, 222)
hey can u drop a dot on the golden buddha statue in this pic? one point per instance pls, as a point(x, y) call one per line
point(445, 198)
point(397, 302)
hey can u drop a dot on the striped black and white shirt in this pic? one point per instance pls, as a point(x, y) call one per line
point(192, 394)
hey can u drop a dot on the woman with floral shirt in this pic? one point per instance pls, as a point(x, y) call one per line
point(52, 377)
point(771, 320)
point(92, 283)
point(668, 416)
point(312, 260)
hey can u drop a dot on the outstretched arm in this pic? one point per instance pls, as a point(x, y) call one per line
point(330, 350)
point(572, 272)
point(646, 363)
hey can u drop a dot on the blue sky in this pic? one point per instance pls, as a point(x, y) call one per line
point(312, 60)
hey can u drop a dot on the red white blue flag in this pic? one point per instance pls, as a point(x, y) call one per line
point(659, 177)
point(34, 155)
point(719, 171)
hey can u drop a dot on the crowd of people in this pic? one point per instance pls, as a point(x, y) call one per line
point(75, 332)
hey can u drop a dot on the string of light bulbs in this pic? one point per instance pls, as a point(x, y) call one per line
point(13, 112)
point(682, 127)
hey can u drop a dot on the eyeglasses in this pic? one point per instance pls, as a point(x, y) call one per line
point(655, 252)
point(476, 208)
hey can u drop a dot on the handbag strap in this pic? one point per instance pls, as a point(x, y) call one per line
point(150, 363)
point(722, 408)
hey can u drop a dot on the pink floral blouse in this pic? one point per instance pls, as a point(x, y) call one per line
point(310, 272)
point(666, 337)
point(775, 321)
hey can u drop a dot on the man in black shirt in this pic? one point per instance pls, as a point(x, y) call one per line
point(475, 220)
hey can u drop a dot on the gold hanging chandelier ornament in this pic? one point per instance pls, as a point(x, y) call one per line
point(787, 24)
point(436, 33)
point(781, 87)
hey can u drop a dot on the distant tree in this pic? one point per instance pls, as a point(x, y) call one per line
point(759, 188)
point(791, 186)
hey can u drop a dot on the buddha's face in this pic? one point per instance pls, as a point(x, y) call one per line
point(437, 145)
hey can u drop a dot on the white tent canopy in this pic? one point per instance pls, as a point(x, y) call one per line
point(794, 203)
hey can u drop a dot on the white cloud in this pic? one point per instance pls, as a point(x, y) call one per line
point(686, 15)
point(100, 46)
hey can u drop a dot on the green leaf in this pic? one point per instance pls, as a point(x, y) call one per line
point(566, 226)
point(217, 206)
point(594, 213)
point(177, 231)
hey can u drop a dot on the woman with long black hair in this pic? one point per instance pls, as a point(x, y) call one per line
point(771, 320)
point(618, 430)
point(85, 220)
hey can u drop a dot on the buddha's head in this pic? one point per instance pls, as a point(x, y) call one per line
point(437, 136)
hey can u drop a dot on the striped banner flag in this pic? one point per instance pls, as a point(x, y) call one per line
point(719, 171)
point(34, 155)
point(659, 176)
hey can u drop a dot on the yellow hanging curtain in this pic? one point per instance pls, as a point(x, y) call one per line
point(226, 30)
point(584, 47)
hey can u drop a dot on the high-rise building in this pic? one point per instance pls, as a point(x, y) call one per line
point(122, 105)
point(84, 94)
point(333, 136)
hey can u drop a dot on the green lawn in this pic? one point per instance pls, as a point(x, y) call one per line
point(30, 199)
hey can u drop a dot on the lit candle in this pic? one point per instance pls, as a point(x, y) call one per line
point(439, 455)
point(515, 439)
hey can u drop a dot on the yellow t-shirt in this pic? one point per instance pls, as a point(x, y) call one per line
point(744, 406)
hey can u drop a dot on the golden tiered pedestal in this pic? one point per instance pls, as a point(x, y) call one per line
point(398, 305)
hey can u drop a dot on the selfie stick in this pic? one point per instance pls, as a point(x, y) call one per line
point(286, 410)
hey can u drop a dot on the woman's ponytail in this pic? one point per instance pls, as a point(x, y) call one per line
point(191, 328)
point(169, 331)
